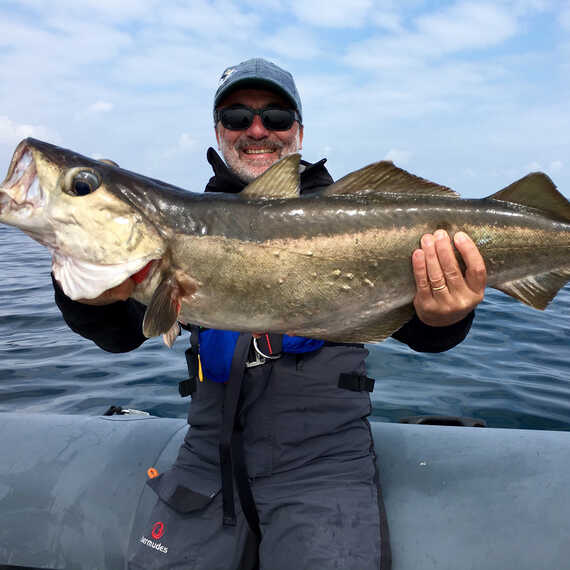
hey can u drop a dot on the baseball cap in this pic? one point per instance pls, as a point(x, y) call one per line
point(258, 72)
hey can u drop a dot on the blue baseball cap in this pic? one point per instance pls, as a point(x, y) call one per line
point(260, 73)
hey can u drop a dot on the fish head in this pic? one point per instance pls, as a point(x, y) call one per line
point(70, 204)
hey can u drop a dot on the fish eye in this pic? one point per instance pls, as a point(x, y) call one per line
point(83, 182)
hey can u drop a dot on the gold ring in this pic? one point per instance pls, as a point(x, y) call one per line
point(440, 288)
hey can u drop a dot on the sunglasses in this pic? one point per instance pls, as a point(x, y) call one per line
point(240, 117)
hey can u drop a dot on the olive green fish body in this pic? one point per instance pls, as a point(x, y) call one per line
point(331, 265)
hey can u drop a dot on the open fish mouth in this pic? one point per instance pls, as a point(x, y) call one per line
point(21, 192)
point(84, 267)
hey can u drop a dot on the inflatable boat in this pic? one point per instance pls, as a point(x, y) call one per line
point(73, 492)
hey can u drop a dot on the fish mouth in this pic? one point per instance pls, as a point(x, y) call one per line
point(21, 192)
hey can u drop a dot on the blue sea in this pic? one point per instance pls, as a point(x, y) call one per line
point(512, 371)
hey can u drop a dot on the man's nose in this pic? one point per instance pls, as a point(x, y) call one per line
point(256, 129)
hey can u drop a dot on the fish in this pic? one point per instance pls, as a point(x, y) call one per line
point(333, 264)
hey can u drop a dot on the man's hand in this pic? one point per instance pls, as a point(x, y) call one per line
point(119, 293)
point(444, 296)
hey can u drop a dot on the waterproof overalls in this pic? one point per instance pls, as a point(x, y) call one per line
point(310, 460)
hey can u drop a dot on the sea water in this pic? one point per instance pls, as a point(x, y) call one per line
point(513, 370)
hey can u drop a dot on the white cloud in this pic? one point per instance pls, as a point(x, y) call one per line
point(90, 10)
point(211, 19)
point(12, 133)
point(333, 13)
point(186, 142)
point(564, 16)
point(389, 21)
point(398, 156)
point(100, 107)
point(55, 52)
point(293, 42)
point(534, 166)
point(270, 5)
point(457, 28)
point(530, 7)
point(466, 25)
point(556, 166)
point(83, 41)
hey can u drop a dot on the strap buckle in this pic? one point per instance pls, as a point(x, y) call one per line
point(269, 350)
point(259, 360)
point(267, 347)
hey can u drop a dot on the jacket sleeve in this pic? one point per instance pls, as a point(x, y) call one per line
point(425, 338)
point(115, 328)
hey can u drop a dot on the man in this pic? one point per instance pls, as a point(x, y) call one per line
point(282, 416)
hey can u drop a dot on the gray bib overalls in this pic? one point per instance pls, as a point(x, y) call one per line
point(310, 459)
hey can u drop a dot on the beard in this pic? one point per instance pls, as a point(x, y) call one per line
point(249, 171)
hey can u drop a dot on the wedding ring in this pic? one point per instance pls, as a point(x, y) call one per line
point(440, 288)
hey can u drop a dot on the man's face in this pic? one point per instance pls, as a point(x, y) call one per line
point(251, 152)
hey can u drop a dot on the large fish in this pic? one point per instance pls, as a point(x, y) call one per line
point(330, 265)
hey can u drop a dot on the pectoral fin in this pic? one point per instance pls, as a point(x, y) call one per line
point(162, 312)
point(170, 336)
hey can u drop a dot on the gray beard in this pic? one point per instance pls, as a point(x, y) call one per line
point(242, 172)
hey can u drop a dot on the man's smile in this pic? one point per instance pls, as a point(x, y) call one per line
point(258, 150)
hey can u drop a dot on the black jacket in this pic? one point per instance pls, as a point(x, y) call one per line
point(313, 176)
point(118, 327)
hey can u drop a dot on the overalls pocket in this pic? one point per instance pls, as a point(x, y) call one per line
point(183, 521)
point(173, 488)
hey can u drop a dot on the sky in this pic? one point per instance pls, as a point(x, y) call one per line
point(472, 95)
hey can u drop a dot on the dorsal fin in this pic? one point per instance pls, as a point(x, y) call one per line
point(536, 190)
point(385, 176)
point(279, 181)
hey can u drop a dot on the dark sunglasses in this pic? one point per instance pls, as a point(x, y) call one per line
point(240, 117)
